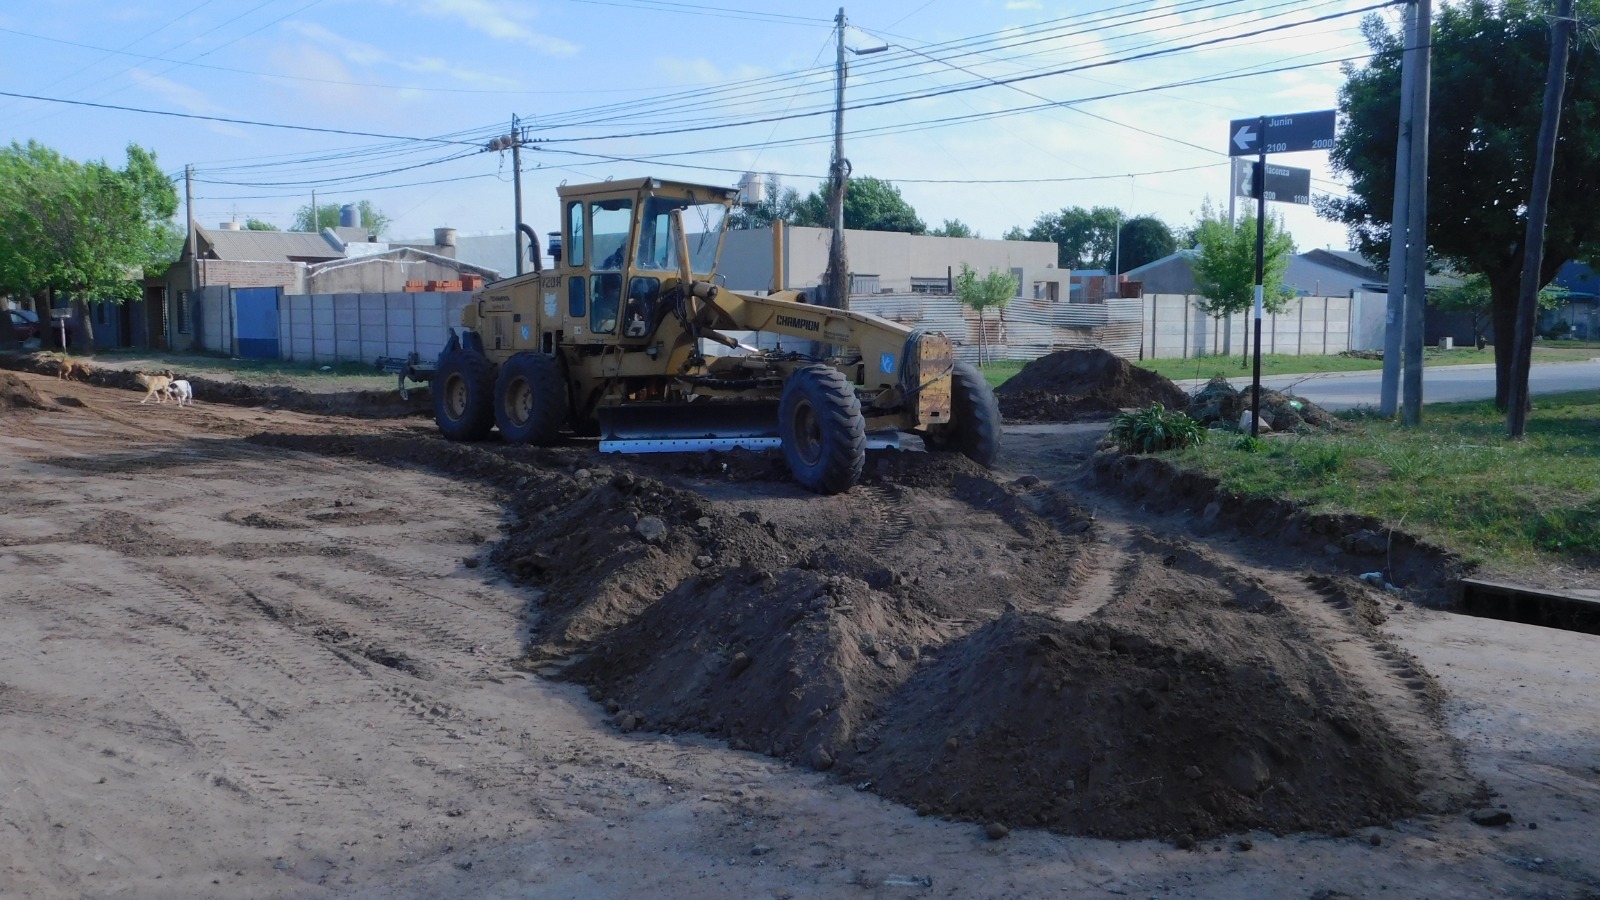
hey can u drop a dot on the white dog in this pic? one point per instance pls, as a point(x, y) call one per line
point(182, 391)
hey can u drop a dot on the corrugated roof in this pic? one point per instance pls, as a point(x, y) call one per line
point(268, 246)
point(404, 253)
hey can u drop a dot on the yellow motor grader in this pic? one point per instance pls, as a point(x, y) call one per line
point(630, 337)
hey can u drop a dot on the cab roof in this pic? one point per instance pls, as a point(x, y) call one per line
point(655, 185)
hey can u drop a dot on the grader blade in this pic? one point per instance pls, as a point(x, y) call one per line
point(690, 427)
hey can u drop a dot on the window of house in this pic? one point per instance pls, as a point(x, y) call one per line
point(930, 285)
point(183, 312)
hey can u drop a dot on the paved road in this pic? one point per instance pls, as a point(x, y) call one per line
point(1441, 384)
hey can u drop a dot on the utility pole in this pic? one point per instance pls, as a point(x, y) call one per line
point(516, 181)
point(188, 207)
point(513, 142)
point(1417, 217)
point(315, 220)
point(1538, 210)
point(838, 264)
point(1259, 186)
point(1395, 314)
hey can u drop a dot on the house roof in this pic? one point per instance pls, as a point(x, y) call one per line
point(268, 246)
point(1344, 260)
point(403, 254)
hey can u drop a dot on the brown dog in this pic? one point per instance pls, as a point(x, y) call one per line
point(157, 386)
point(70, 365)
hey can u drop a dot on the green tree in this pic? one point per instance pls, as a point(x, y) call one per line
point(327, 216)
point(1473, 295)
point(870, 204)
point(255, 224)
point(1488, 77)
point(1225, 267)
point(82, 229)
point(777, 206)
point(993, 290)
point(1084, 238)
point(1144, 239)
point(1015, 233)
point(955, 228)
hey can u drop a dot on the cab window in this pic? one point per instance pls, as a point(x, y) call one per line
point(607, 292)
point(577, 298)
point(575, 231)
point(639, 319)
point(610, 220)
point(702, 224)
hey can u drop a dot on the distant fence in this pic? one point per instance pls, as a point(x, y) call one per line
point(330, 328)
point(1175, 327)
point(1025, 329)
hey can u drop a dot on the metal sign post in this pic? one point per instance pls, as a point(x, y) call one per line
point(1260, 136)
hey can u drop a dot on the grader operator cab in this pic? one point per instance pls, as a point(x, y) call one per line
point(630, 337)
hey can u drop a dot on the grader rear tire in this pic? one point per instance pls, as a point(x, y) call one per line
point(974, 429)
point(463, 396)
point(530, 399)
point(824, 433)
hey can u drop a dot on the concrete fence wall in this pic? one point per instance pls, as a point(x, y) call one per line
point(1175, 327)
point(330, 328)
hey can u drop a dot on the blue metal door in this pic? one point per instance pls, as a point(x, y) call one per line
point(256, 327)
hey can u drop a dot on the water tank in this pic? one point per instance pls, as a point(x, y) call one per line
point(230, 226)
point(348, 216)
point(444, 237)
point(752, 188)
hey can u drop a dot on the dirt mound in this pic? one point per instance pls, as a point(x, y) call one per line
point(905, 635)
point(1079, 384)
point(1193, 703)
point(1217, 403)
point(18, 394)
point(356, 404)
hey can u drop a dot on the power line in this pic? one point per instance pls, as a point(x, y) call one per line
point(870, 104)
point(228, 120)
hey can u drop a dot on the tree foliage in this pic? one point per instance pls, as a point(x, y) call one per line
point(1144, 239)
point(1488, 77)
point(870, 204)
point(955, 228)
point(327, 216)
point(1084, 238)
point(82, 229)
point(777, 206)
point(994, 290)
point(1225, 267)
point(254, 224)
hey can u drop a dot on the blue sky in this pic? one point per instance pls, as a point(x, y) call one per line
point(729, 85)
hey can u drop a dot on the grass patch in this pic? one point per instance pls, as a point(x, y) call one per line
point(1456, 480)
point(1001, 370)
point(336, 376)
point(1280, 364)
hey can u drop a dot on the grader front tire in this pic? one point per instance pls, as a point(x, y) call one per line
point(824, 433)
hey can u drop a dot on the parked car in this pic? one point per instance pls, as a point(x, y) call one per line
point(24, 324)
point(48, 331)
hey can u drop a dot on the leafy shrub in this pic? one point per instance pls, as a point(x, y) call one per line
point(1244, 443)
point(1320, 459)
point(1154, 430)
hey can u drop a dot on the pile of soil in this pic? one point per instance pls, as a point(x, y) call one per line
point(356, 404)
point(1072, 385)
point(1219, 404)
point(1192, 703)
point(905, 636)
point(18, 394)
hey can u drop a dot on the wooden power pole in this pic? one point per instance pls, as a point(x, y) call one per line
point(1538, 209)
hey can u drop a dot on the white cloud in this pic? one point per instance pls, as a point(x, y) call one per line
point(364, 54)
point(499, 19)
point(1023, 4)
point(175, 94)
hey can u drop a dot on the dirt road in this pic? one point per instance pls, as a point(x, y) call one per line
point(237, 671)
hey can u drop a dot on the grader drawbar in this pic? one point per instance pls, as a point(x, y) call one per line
point(630, 338)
